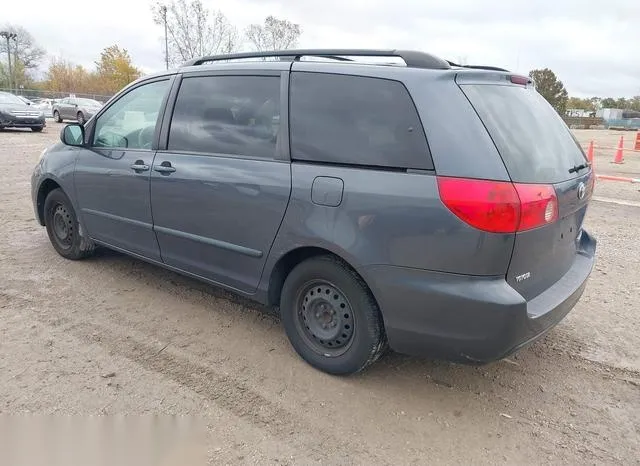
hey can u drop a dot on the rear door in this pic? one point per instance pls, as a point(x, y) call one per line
point(67, 109)
point(537, 148)
point(71, 109)
point(62, 107)
point(220, 186)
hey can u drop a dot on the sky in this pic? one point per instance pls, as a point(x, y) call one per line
point(591, 45)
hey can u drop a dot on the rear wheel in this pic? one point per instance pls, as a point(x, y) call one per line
point(63, 228)
point(56, 116)
point(330, 316)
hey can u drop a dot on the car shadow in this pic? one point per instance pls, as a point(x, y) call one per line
point(539, 359)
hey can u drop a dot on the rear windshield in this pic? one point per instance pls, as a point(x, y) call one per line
point(534, 142)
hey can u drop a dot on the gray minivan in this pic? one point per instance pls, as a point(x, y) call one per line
point(429, 207)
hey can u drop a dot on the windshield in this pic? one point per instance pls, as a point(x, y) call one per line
point(6, 98)
point(534, 142)
point(89, 102)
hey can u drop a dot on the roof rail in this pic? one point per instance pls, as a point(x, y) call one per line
point(413, 59)
point(478, 67)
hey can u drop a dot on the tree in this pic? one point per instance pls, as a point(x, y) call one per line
point(114, 70)
point(64, 76)
point(25, 57)
point(576, 102)
point(551, 88)
point(621, 102)
point(24, 48)
point(608, 103)
point(193, 31)
point(596, 103)
point(274, 34)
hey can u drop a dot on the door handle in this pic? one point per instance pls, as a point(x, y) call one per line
point(139, 166)
point(164, 167)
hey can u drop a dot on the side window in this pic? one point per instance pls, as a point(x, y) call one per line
point(130, 122)
point(234, 115)
point(355, 120)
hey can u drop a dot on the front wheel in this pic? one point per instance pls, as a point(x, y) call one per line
point(56, 116)
point(37, 129)
point(63, 228)
point(80, 118)
point(330, 316)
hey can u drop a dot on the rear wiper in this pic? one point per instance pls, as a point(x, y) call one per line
point(577, 168)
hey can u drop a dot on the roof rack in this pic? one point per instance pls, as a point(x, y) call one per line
point(413, 59)
point(478, 67)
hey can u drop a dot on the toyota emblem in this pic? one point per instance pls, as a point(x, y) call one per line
point(582, 190)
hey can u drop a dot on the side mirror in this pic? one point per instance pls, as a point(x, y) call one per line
point(72, 135)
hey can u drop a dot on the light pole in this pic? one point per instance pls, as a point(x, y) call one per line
point(163, 10)
point(9, 35)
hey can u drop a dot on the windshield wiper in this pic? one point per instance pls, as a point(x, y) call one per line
point(577, 168)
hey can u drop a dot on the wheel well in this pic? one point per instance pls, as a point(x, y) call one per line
point(286, 264)
point(46, 187)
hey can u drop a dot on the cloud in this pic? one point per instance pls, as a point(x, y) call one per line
point(591, 46)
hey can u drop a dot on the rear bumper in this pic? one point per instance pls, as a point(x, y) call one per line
point(471, 319)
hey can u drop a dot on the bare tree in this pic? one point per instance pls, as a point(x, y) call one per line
point(24, 48)
point(194, 31)
point(274, 34)
point(25, 57)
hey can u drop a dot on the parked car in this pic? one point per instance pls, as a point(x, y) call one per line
point(434, 208)
point(73, 108)
point(44, 104)
point(25, 100)
point(15, 113)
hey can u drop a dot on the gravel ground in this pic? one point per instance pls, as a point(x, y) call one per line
point(113, 335)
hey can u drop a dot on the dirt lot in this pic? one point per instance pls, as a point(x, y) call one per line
point(113, 335)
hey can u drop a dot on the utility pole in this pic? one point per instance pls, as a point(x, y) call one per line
point(163, 9)
point(9, 35)
point(16, 84)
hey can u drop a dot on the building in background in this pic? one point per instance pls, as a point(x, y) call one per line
point(619, 119)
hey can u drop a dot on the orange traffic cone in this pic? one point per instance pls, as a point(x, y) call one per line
point(619, 157)
point(637, 145)
point(590, 152)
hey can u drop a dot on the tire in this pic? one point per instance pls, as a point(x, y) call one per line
point(331, 317)
point(80, 118)
point(37, 129)
point(56, 116)
point(63, 228)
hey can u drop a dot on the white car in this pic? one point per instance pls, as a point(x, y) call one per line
point(46, 105)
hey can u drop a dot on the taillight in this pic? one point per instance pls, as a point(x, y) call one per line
point(487, 205)
point(538, 205)
point(499, 206)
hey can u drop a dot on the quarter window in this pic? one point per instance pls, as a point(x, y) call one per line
point(130, 122)
point(355, 120)
point(235, 115)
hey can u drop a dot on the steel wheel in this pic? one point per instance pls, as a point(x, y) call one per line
point(63, 227)
point(325, 318)
point(331, 317)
